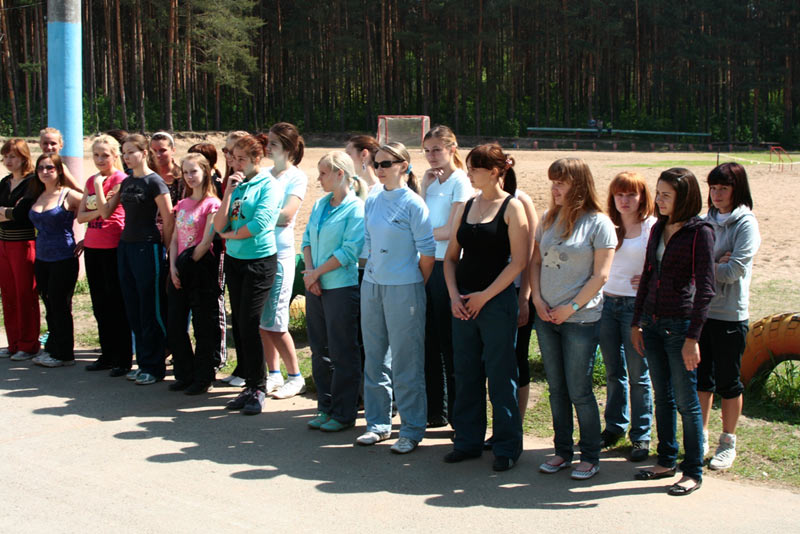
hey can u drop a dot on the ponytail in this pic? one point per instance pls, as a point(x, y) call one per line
point(291, 140)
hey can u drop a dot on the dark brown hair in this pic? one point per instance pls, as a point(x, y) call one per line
point(291, 140)
point(209, 151)
point(491, 156)
point(362, 142)
point(35, 186)
point(734, 175)
point(688, 201)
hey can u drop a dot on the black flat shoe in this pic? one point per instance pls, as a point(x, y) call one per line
point(179, 385)
point(98, 365)
point(678, 491)
point(198, 388)
point(455, 456)
point(646, 474)
point(437, 421)
point(119, 371)
point(502, 463)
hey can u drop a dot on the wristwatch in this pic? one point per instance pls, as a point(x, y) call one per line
point(575, 306)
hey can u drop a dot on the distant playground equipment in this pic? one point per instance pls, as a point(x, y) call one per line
point(771, 340)
point(406, 129)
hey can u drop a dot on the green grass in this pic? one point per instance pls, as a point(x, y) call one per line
point(710, 158)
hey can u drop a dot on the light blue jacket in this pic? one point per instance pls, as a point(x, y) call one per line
point(254, 204)
point(739, 235)
point(398, 231)
point(341, 235)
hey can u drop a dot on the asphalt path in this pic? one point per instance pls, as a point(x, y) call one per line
point(83, 452)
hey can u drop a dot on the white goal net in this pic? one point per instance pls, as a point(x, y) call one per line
point(406, 129)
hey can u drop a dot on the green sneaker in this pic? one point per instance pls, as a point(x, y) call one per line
point(319, 420)
point(335, 426)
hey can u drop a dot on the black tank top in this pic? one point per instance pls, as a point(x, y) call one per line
point(486, 250)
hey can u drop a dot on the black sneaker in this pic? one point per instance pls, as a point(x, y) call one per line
point(437, 421)
point(609, 439)
point(255, 404)
point(640, 451)
point(239, 402)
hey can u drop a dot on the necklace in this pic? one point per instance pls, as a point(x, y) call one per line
point(481, 212)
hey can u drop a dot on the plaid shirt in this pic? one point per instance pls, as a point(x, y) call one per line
point(685, 285)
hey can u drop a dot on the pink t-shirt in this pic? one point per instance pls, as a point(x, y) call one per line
point(190, 220)
point(104, 233)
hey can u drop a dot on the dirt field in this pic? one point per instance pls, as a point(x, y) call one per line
point(776, 262)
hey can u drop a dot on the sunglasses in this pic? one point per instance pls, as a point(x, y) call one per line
point(385, 164)
point(42, 168)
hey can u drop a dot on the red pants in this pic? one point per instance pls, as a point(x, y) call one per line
point(18, 292)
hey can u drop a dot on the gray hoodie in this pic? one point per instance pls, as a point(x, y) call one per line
point(738, 234)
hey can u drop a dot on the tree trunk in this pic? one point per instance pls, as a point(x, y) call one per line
point(27, 73)
point(478, 70)
point(187, 65)
point(171, 45)
point(110, 66)
point(9, 67)
point(139, 63)
point(120, 72)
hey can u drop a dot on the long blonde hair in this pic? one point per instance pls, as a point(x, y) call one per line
point(113, 144)
point(338, 160)
point(581, 197)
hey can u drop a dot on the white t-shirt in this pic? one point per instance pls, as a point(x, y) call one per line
point(628, 262)
point(440, 197)
point(293, 182)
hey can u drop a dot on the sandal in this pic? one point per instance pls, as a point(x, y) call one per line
point(678, 490)
point(647, 474)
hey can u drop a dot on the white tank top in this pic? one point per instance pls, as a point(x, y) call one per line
point(628, 262)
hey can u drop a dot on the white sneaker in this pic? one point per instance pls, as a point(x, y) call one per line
point(371, 438)
point(41, 356)
point(49, 361)
point(705, 443)
point(236, 381)
point(404, 446)
point(22, 356)
point(5, 353)
point(725, 454)
point(226, 379)
point(274, 382)
point(295, 385)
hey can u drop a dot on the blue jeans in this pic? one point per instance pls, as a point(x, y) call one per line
point(625, 369)
point(568, 352)
point(674, 386)
point(484, 349)
point(394, 316)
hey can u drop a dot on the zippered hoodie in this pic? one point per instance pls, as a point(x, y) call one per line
point(685, 285)
point(739, 235)
point(254, 204)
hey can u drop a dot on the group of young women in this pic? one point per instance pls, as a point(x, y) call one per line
point(417, 294)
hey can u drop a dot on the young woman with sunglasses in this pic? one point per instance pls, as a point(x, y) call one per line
point(399, 238)
point(672, 302)
point(53, 213)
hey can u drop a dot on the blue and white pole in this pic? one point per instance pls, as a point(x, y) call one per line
point(64, 79)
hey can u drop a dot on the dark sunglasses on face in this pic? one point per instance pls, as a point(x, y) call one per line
point(385, 164)
point(42, 168)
